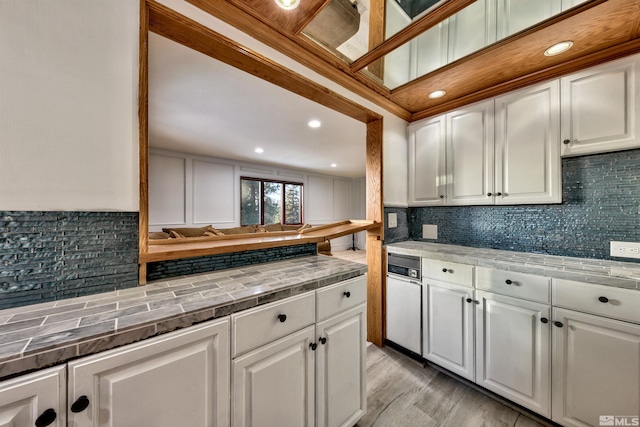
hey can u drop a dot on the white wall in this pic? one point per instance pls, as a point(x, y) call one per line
point(69, 105)
point(191, 191)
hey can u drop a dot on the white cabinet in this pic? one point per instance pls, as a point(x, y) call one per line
point(601, 109)
point(274, 384)
point(470, 155)
point(427, 163)
point(596, 369)
point(513, 355)
point(37, 399)
point(528, 146)
point(517, 15)
point(181, 378)
point(448, 327)
point(289, 370)
point(472, 29)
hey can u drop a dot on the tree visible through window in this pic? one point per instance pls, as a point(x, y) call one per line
point(269, 202)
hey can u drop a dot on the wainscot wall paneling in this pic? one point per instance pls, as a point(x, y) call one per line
point(49, 256)
point(214, 188)
point(601, 196)
point(167, 193)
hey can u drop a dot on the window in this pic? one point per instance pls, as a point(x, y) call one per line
point(268, 202)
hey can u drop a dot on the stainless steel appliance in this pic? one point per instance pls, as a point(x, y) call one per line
point(404, 302)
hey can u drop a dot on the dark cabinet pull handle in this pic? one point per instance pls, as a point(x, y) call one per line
point(46, 418)
point(544, 320)
point(80, 404)
point(313, 346)
point(469, 300)
point(442, 196)
point(444, 270)
point(489, 194)
point(603, 299)
point(347, 294)
point(323, 340)
point(282, 317)
point(558, 324)
point(508, 282)
point(566, 141)
point(498, 194)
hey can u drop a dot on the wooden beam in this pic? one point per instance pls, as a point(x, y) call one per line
point(375, 209)
point(377, 34)
point(143, 140)
point(431, 19)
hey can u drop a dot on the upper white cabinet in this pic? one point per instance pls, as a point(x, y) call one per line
point(470, 155)
point(517, 15)
point(36, 399)
point(427, 163)
point(472, 29)
point(600, 110)
point(527, 128)
point(177, 379)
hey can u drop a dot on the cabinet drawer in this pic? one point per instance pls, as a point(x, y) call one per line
point(258, 326)
point(617, 303)
point(450, 272)
point(341, 296)
point(519, 285)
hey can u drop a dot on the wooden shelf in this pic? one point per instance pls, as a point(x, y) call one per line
point(163, 250)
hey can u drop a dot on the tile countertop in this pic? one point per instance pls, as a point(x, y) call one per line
point(601, 272)
point(41, 335)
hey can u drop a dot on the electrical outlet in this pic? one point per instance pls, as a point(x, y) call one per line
point(393, 220)
point(429, 231)
point(625, 249)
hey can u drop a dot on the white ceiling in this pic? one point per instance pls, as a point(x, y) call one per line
point(199, 105)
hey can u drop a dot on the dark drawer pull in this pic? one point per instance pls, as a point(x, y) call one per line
point(347, 294)
point(313, 346)
point(323, 340)
point(282, 317)
point(558, 324)
point(566, 141)
point(544, 320)
point(508, 282)
point(80, 405)
point(447, 270)
point(46, 418)
point(469, 300)
point(603, 299)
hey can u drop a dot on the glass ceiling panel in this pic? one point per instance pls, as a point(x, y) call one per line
point(484, 22)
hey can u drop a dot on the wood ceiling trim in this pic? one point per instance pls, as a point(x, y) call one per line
point(288, 20)
point(431, 19)
point(187, 32)
point(306, 52)
point(593, 59)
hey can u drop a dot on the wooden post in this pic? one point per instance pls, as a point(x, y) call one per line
point(143, 142)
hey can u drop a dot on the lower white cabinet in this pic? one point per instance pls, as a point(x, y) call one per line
point(448, 327)
point(37, 399)
point(513, 354)
point(177, 379)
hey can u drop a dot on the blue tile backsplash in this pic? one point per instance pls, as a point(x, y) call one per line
point(601, 202)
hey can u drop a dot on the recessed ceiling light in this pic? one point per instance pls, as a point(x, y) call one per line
point(558, 48)
point(314, 123)
point(288, 4)
point(437, 94)
point(333, 165)
point(259, 150)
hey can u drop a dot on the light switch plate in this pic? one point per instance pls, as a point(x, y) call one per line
point(625, 249)
point(393, 220)
point(429, 231)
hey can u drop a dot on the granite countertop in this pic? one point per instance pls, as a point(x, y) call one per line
point(601, 272)
point(41, 335)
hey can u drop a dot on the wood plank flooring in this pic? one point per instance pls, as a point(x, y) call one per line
point(400, 392)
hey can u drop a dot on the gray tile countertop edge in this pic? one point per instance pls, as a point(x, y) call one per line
point(600, 272)
point(37, 336)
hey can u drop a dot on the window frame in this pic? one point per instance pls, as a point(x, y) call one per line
point(283, 217)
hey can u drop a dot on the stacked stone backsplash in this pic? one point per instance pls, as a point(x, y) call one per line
point(49, 256)
point(601, 202)
point(179, 267)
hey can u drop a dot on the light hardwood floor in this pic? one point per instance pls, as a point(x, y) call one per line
point(402, 393)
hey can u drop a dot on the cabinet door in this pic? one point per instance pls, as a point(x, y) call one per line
point(528, 146)
point(600, 108)
point(177, 379)
point(470, 155)
point(274, 384)
point(472, 29)
point(596, 369)
point(341, 391)
point(427, 163)
point(429, 50)
point(513, 350)
point(517, 15)
point(403, 313)
point(39, 395)
point(448, 328)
